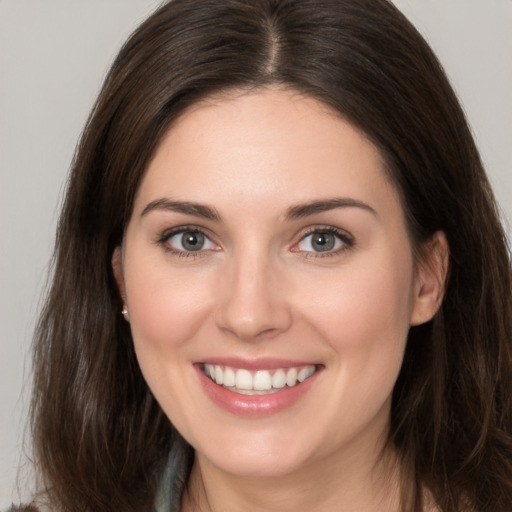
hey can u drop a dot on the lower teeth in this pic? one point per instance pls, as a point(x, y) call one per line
point(253, 391)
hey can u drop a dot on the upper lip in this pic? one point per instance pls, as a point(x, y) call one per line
point(261, 363)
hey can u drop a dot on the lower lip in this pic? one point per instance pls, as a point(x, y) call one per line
point(252, 406)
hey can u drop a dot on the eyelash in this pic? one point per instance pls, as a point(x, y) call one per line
point(344, 237)
point(168, 234)
point(347, 241)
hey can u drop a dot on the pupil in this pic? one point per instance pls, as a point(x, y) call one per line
point(323, 242)
point(193, 241)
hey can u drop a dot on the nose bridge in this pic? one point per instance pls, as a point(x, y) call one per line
point(254, 296)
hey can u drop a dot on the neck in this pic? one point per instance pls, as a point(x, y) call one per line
point(366, 479)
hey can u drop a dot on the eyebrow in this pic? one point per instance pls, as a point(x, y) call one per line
point(305, 210)
point(188, 208)
point(295, 212)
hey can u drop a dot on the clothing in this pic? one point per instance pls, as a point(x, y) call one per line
point(174, 478)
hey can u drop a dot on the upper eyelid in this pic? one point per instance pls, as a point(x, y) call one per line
point(327, 229)
point(167, 233)
point(164, 236)
point(346, 238)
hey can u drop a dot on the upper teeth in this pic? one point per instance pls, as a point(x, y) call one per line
point(260, 380)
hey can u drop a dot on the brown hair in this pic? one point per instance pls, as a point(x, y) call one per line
point(100, 438)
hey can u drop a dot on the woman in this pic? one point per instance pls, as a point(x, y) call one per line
point(285, 202)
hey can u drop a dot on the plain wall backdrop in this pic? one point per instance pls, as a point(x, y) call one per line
point(53, 57)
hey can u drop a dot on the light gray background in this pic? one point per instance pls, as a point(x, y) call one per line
point(53, 57)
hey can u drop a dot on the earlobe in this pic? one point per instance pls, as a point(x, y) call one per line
point(431, 278)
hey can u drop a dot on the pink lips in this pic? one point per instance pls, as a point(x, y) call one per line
point(252, 406)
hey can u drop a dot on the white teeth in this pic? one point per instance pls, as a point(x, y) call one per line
point(279, 379)
point(304, 373)
point(262, 381)
point(229, 377)
point(243, 380)
point(291, 377)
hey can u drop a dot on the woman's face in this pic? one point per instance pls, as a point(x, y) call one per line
point(270, 283)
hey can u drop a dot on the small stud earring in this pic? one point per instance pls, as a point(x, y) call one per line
point(124, 312)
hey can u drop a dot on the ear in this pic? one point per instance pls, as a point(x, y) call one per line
point(117, 267)
point(430, 279)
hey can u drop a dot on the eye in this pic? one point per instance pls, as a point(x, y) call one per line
point(188, 240)
point(324, 241)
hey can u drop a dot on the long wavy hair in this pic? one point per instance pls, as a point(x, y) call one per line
point(100, 438)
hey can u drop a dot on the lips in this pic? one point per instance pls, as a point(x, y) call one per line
point(258, 388)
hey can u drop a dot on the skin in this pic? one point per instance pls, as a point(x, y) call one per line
point(259, 289)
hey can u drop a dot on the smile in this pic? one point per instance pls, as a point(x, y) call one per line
point(259, 382)
point(257, 388)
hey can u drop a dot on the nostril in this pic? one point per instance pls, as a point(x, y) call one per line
point(249, 332)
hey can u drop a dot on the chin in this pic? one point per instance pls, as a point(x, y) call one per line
point(262, 456)
point(258, 466)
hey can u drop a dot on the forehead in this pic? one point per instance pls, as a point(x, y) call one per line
point(269, 145)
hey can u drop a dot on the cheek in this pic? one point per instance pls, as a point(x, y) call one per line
point(363, 313)
point(363, 316)
point(374, 295)
point(166, 306)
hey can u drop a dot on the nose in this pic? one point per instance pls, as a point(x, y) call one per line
point(253, 301)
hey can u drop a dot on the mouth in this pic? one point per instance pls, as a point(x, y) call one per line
point(258, 382)
point(258, 387)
